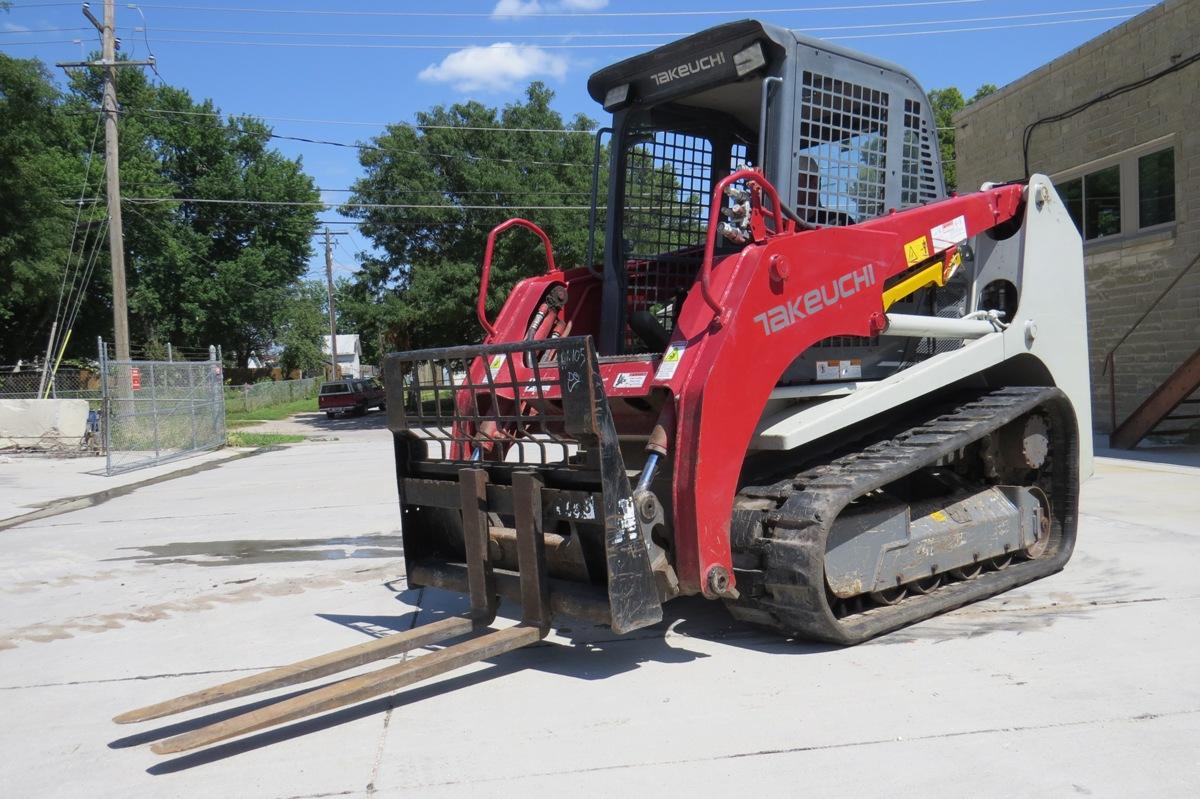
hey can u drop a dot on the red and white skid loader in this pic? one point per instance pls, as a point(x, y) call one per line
point(816, 388)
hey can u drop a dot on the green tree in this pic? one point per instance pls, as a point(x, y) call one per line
point(41, 162)
point(201, 271)
point(198, 273)
point(945, 104)
point(303, 323)
point(418, 285)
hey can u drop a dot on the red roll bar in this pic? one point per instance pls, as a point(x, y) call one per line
point(480, 307)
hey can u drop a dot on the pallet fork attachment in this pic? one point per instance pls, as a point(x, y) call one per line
point(629, 565)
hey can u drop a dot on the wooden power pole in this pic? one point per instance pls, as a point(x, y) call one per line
point(332, 313)
point(112, 172)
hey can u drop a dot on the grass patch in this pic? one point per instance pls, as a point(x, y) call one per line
point(273, 412)
point(236, 439)
point(236, 423)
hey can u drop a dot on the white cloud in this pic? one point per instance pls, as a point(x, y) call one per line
point(13, 28)
point(509, 9)
point(495, 67)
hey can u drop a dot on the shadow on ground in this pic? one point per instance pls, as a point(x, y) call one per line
point(320, 423)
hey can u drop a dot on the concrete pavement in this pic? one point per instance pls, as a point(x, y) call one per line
point(1085, 683)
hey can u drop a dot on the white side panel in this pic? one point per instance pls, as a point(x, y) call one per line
point(1050, 324)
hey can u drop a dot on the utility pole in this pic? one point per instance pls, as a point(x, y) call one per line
point(332, 313)
point(112, 172)
point(112, 179)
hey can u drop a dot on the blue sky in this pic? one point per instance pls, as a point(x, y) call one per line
point(344, 68)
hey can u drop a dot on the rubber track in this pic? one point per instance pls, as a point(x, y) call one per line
point(788, 590)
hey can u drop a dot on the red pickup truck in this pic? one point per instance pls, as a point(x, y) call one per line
point(351, 395)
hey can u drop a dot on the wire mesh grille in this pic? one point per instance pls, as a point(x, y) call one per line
point(843, 161)
point(917, 181)
point(496, 407)
point(668, 187)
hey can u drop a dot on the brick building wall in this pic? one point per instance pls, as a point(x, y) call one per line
point(1126, 271)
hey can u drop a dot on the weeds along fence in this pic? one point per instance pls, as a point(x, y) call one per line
point(157, 411)
point(260, 395)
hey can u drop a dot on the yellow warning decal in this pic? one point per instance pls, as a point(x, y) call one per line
point(916, 251)
point(496, 364)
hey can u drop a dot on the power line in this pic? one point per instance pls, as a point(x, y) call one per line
point(41, 30)
point(321, 204)
point(414, 125)
point(641, 45)
point(351, 35)
point(558, 14)
point(980, 28)
point(465, 156)
point(49, 41)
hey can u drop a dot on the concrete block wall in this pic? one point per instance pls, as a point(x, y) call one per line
point(1126, 275)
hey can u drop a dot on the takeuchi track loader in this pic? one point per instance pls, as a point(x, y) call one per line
point(803, 382)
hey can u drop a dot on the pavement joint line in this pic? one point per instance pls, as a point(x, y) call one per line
point(1140, 717)
point(135, 678)
point(219, 513)
point(68, 504)
point(387, 715)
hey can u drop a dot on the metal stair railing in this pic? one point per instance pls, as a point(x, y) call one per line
point(1110, 358)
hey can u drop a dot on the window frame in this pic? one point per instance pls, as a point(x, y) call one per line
point(1127, 163)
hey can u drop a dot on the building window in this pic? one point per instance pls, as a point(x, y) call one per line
point(1102, 203)
point(1123, 194)
point(1156, 188)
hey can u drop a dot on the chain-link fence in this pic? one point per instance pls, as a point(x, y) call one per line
point(156, 411)
point(275, 392)
point(22, 381)
point(47, 428)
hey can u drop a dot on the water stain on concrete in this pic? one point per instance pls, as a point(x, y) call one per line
point(59, 630)
point(262, 551)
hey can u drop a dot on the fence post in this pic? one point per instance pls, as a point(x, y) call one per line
point(154, 409)
point(105, 399)
point(170, 355)
point(191, 399)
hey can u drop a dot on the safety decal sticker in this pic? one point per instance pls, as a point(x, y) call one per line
point(850, 369)
point(670, 361)
point(949, 233)
point(630, 380)
point(496, 364)
point(916, 251)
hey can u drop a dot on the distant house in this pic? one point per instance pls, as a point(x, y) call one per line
point(349, 351)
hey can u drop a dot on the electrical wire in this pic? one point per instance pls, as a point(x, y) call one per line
point(638, 45)
point(558, 14)
point(322, 204)
point(413, 125)
point(1027, 137)
point(64, 294)
point(898, 34)
point(351, 35)
point(375, 147)
point(41, 30)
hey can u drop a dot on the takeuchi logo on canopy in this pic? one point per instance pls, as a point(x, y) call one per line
point(688, 68)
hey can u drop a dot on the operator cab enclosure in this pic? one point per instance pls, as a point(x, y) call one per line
point(842, 136)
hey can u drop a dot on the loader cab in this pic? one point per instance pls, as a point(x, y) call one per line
point(843, 137)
